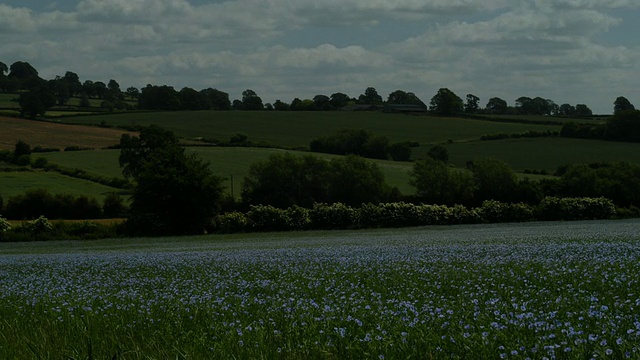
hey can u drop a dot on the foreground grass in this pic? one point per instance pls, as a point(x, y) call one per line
point(556, 290)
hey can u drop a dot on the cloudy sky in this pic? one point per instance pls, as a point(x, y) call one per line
point(570, 51)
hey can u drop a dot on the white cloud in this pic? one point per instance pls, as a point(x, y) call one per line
point(15, 20)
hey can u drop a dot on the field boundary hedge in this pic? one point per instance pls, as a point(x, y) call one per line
point(261, 218)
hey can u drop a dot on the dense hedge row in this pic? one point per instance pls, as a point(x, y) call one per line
point(400, 214)
point(42, 229)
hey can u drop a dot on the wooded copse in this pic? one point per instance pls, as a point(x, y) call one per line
point(36, 96)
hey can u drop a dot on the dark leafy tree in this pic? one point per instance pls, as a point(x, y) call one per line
point(446, 102)
point(37, 100)
point(159, 98)
point(174, 193)
point(285, 180)
point(497, 106)
point(219, 100)
point(355, 181)
point(4, 69)
point(567, 110)
point(22, 70)
point(88, 88)
point(472, 105)
point(622, 104)
point(439, 153)
point(583, 110)
point(21, 148)
point(624, 125)
point(100, 90)
point(536, 106)
point(339, 100)
point(280, 106)
point(302, 105)
point(437, 183)
point(113, 207)
point(370, 96)
point(73, 82)
point(495, 180)
point(132, 92)
point(191, 99)
point(251, 100)
point(322, 102)
point(60, 89)
point(400, 151)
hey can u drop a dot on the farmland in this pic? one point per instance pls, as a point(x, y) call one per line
point(556, 290)
point(15, 183)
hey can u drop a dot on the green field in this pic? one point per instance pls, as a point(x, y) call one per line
point(514, 291)
point(7, 100)
point(16, 183)
point(540, 153)
point(296, 129)
point(225, 162)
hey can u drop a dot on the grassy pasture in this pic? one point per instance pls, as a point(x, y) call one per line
point(295, 129)
point(540, 153)
point(7, 100)
point(225, 161)
point(52, 135)
point(16, 183)
point(515, 291)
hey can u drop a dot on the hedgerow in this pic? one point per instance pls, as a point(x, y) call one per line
point(401, 214)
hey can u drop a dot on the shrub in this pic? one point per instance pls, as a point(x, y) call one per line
point(39, 163)
point(553, 208)
point(113, 207)
point(369, 216)
point(400, 214)
point(38, 226)
point(334, 216)
point(298, 218)
point(231, 222)
point(495, 212)
point(267, 218)
point(4, 225)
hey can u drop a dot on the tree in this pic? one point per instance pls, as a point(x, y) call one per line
point(280, 106)
point(624, 125)
point(355, 181)
point(472, 104)
point(495, 180)
point(73, 83)
point(60, 89)
point(159, 98)
point(622, 104)
point(322, 102)
point(251, 100)
point(437, 183)
point(174, 193)
point(339, 100)
point(132, 92)
point(439, 153)
point(114, 90)
point(37, 100)
point(583, 110)
point(446, 102)
point(191, 99)
point(3, 69)
point(285, 180)
point(566, 110)
point(370, 96)
point(22, 70)
point(497, 106)
point(219, 100)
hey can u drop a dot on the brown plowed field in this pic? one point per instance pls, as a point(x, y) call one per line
point(52, 135)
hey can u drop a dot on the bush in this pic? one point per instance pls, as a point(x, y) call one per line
point(38, 226)
point(553, 208)
point(4, 225)
point(298, 218)
point(496, 212)
point(267, 218)
point(400, 214)
point(113, 207)
point(231, 222)
point(334, 216)
point(39, 163)
point(369, 216)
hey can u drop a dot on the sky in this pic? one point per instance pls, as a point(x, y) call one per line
point(569, 51)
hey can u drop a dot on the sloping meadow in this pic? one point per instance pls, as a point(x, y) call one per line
point(535, 290)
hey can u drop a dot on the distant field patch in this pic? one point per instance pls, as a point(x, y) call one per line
point(52, 135)
point(295, 129)
point(226, 162)
point(540, 153)
point(16, 183)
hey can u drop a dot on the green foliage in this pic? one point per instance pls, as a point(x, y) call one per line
point(496, 212)
point(174, 192)
point(494, 180)
point(351, 141)
point(267, 218)
point(446, 102)
point(437, 183)
point(334, 216)
point(624, 125)
point(39, 163)
point(4, 226)
point(113, 206)
point(38, 226)
point(21, 148)
point(439, 153)
point(553, 208)
point(400, 151)
point(285, 180)
point(231, 222)
point(353, 181)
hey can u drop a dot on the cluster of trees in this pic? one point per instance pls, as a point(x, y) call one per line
point(38, 95)
point(624, 125)
point(362, 143)
point(39, 202)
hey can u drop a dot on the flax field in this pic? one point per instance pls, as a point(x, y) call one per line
point(561, 290)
